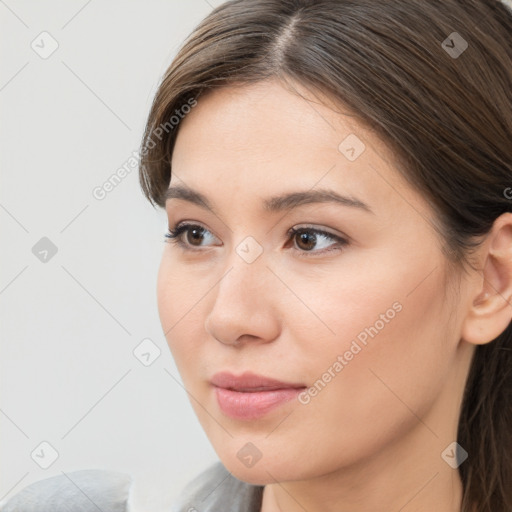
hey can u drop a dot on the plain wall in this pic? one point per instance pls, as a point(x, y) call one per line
point(69, 324)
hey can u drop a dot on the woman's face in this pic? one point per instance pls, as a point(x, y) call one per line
point(354, 316)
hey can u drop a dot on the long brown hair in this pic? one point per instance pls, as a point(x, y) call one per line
point(441, 101)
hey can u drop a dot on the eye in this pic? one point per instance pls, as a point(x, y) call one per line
point(191, 230)
point(308, 238)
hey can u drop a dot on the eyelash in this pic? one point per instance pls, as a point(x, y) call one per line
point(174, 236)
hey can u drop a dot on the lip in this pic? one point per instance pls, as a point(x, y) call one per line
point(250, 396)
point(250, 382)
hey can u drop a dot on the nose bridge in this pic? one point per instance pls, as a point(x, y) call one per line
point(243, 303)
point(246, 277)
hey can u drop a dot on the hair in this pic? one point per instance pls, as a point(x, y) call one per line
point(446, 118)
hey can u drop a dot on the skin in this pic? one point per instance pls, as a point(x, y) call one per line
point(372, 439)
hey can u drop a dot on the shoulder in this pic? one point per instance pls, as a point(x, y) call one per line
point(77, 491)
point(217, 490)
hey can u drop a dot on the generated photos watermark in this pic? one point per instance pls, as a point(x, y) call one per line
point(355, 348)
point(100, 192)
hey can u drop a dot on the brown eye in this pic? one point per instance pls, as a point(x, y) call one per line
point(194, 235)
point(306, 239)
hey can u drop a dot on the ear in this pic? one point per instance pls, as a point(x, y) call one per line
point(490, 309)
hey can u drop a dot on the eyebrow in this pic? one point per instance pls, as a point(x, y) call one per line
point(283, 202)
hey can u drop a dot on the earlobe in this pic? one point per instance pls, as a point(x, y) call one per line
point(490, 311)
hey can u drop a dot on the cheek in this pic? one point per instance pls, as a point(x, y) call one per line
point(351, 308)
point(387, 294)
point(164, 295)
point(389, 355)
point(178, 291)
point(173, 297)
point(179, 299)
point(386, 364)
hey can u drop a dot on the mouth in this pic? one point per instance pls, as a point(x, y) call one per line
point(250, 396)
point(250, 382)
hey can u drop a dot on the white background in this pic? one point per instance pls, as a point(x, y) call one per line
point(69, 326)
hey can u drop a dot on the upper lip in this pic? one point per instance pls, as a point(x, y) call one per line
point(250, 382)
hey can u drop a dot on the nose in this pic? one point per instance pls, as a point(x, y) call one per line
point(245, 305)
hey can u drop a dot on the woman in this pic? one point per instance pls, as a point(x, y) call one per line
point(336, 290)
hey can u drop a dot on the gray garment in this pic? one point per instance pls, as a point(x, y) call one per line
point(95, 490)
point(217, 490)
point(87, 490)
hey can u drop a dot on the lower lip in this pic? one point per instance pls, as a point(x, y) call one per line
point(253, 405)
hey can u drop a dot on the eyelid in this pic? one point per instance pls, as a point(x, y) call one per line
point(318, 229)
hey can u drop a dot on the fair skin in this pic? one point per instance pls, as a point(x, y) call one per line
point(372, 439)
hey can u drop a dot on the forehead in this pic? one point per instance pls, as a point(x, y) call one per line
point(261, 138)
point(266, 118)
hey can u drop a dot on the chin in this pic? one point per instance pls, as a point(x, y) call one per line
point(264, 471)
point(256, 475)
